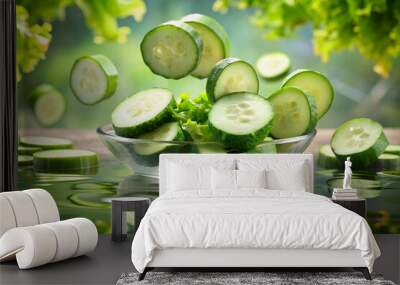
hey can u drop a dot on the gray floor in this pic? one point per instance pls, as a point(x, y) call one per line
point(103, 266)
point(110, 260)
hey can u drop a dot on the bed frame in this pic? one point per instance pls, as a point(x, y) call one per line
point(241, 259)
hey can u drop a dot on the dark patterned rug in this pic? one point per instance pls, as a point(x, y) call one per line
point(243, 278)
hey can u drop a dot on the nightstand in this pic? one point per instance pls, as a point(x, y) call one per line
point(358, 206)
point(120, 206)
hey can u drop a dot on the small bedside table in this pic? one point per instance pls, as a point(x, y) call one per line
point(357, 206)
point(120, 206)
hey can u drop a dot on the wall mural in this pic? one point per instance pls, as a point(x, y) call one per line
point(105, 87)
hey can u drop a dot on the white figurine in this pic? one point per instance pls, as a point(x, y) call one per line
point(347, 174)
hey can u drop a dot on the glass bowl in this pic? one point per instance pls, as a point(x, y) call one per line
point(125, 149)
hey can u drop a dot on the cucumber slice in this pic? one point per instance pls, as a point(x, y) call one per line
point(143, 112)
point(147, 153)
point(215, 42)
point(273, 65)
point(26, 150)
point(45, 142)
point(387, 161)
point(93, 79)
point(172, 49)
point(167, 132)
point(25, 160)
point(231, 75)
point(361, 139)
point(295, 113)
point(393, 149)
point(315, 84)
point(48, 105)
point(64, 159)
point(327, 159)
point(241, 120)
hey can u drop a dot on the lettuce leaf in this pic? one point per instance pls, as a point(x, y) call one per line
point(370, 26)
point(34, 19)
point(32, 42)
point(101, 16)
point(192, 114)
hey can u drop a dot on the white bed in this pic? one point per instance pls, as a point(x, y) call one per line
point(248, 227)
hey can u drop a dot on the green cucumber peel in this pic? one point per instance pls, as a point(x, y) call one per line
point(361, 139)
point(129, 127)
point(45, 143)
point(65, 159)
point(295, 113)
point(214, 37)
point(48, 104)
point(82, 84)
point(155, 61)
point(222, 66)
point(315, 84)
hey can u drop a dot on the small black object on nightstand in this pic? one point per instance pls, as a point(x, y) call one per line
point(120, 206)
point(358, 205)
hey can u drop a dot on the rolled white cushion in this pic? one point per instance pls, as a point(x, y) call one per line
point(87, 235)
point(45, 205)
point(40, 244)
point(23, 208)
point(33, 246)
point(66, 238)
point(7, 218)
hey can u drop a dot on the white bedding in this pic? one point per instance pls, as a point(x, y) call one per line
point(250, 219)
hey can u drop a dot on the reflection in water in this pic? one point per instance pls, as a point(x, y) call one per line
point(89, 194)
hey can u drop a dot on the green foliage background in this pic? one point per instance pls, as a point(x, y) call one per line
point(359, 90)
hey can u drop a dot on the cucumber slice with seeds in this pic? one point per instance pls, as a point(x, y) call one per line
point(241, 120)
point(327, 159)
point(64, 159)
point(25, 160)
point(215, 42)
point(48, 105)
point(167, 132)
point(172, 49)
point(45, 142)
point(93, 79)
point(393, 149)
point(26, 150)
point(315, 84)
point(295, 113)
point(361, 139)
point(273, 65)
point(143, 112)
point(231, 75)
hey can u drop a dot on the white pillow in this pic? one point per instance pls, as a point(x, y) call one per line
point(223, 179)
point(282, 174)
point(187, 174)
point(251, 179)
point(293, 180)
point(183, 177)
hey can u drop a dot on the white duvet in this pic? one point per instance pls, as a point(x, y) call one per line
point(250, 219)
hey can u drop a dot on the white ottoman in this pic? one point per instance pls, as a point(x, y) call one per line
point(31, 232)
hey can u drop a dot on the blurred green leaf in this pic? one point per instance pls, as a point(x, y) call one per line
point(32, 42)
point(34, 24)
point(370, 26)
